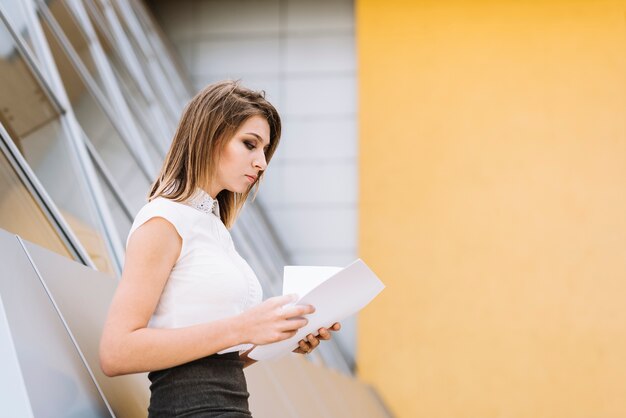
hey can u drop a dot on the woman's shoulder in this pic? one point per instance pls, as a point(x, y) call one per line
point(176, 213)
point(164, 204)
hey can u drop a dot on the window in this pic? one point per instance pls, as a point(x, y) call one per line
point(97, 119)
point(20, 213)
point(35, 124)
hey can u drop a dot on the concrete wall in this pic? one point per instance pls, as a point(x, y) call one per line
point(492, 171)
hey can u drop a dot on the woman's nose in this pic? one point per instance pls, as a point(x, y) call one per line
point(260, 162)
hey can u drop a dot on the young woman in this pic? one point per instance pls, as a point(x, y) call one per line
point(188, 308)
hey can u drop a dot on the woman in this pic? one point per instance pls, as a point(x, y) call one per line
point(188, 307)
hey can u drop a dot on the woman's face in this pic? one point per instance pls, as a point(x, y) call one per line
point(243, 157)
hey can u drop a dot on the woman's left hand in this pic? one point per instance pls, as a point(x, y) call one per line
point(308, 344)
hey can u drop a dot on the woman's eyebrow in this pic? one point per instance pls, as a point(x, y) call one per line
point(259, 139)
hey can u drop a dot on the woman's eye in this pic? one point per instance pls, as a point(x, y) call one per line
point(249, 145)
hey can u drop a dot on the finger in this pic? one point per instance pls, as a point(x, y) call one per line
point(324, 334)
point(288, 334)
point(336, 326)
point(297, 310)
point(293, 324)
point(304, 346)
point(313, 341)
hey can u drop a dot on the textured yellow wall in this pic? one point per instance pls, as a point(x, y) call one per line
point(493, 205)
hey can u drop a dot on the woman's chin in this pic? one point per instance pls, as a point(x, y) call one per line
point(240, 189)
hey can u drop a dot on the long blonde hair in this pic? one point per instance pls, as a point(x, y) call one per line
point(208, 122)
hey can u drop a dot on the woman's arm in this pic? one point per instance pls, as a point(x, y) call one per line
point(128, 346)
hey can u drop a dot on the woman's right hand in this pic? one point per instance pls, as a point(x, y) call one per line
point(274, 320)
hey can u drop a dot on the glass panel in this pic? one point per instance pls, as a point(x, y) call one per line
point(121, 214)
point(14, 14)
point(162, 43)
point(149, 115)
point(23, 104)
point(160, 85)
point(111, 41)
point(47, 152)
point(86, 50)
point(115, 153)
point(37, 129)
point(155, 136)
point(143, 26)
point(122, 222)
point(76, 37)
point(131, 76)
point(20, 213)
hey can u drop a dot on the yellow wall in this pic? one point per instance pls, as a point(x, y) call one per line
point(493, 205)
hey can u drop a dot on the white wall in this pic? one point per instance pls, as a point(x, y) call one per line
point(302, 53)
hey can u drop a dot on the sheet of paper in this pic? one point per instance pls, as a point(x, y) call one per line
point(302, 279)
point(336, 297)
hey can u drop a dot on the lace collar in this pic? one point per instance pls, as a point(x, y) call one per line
point(203, 202)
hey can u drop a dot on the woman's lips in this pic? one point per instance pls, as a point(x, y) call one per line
point(251, 179)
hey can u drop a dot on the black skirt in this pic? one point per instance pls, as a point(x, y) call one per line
point(213, 386)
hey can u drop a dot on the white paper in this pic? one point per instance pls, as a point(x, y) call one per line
point(336, 294)
point(302, 279)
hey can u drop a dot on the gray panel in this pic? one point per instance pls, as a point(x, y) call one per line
point(56, 378)
point(13, 396)
point(82, 296)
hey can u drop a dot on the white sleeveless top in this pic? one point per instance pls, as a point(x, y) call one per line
point(210, 280)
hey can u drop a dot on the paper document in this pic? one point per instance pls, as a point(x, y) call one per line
point(336, 294)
